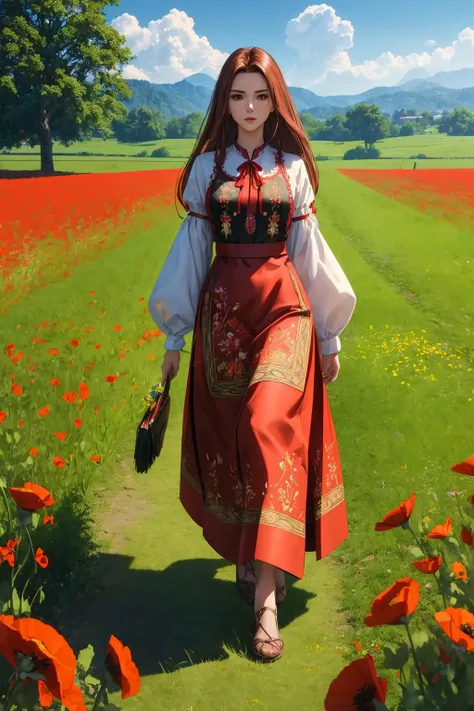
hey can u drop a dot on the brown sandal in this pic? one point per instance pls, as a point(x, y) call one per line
point(246, 588)
point(258, 642)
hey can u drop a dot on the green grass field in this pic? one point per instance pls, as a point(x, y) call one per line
point(403, 406)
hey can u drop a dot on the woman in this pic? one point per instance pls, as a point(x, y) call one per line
point(260, 470)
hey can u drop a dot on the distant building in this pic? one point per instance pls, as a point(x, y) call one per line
point(410, 118)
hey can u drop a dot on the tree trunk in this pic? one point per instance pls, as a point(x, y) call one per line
point(46, 141)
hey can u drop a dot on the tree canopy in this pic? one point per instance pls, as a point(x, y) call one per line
point(59, 75)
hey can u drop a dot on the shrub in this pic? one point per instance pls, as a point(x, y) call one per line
point(161, 152)
point(142, 154)
point(322, 158)
point(360, 152)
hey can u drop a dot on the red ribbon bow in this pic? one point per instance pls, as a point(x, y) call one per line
point(249, 182)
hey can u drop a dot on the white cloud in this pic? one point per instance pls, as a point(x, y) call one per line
point(168, 49)
point(323, 42)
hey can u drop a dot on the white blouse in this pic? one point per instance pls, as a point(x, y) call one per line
point(175, 295)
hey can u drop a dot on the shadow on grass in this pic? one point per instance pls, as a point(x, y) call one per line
point(170, 618)
point(15, 174)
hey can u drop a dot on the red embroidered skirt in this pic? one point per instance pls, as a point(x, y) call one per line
point(260, 468)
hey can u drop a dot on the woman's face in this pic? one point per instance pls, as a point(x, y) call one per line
point(250, 98)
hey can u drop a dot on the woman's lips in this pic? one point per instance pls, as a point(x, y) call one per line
point(250, 119)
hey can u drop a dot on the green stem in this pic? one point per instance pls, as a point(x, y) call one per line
point(7, 700)
point(438, 580)
point(420, 545)
point(32, 548)
point(420, 677)
point(10, 521)
point(99, 696)
point(35, 595)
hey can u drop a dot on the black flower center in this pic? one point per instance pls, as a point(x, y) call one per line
point(467, 629)
point(364, 698)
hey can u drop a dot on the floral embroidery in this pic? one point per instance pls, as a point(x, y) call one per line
point(234, 337)
point(250, 224)
point(287, 484)
point(226, 219)
point(279, 347)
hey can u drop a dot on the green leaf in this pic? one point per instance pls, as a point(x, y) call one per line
point(16, 602)
point(35, 519)
point(415, 551)
point(3, 482)
point(8, 438)
point(453, 601)
point(411, 699)
point(25, 606)
point(396, 657)
point(17, 436)
point(420, 637)
point(30, 461)
point(85, 657)
point(92, 680)
point(83, 445)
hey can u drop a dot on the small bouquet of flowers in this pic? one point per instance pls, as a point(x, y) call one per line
point(152, 428)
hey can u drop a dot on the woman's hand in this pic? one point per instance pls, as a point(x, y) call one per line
point(330, 367)
point(170, 365)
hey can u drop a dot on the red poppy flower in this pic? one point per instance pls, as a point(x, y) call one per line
point(111, 378)
point(77, 422)
point(69, 397)
point(21, 424)
point(53, 351)
point(59, 462)
point(95, 458)
point(33, 451)
point(17, 389)
point(31, 497)
point(428, 565)
point(48, 519)
point(45, 411)
point(50, 654)
point(458, 624)
point(61, 435)
point(7, 553)
point(55, 382)
point(117, 328)
point(441, 531)
point(397, 517)
point(397, 601)
point(3, 415)
point(356, 687)
point(459, 571)
point(41, 558)
point(121, 667)
point(84, 390)
point(466, 536)
point(74, 342)
point(466, 467)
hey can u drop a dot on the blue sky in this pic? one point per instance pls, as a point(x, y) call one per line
point(332, 48)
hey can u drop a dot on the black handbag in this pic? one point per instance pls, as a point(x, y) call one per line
point(151, 431)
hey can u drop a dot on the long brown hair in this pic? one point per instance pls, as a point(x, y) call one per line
point(282, 129)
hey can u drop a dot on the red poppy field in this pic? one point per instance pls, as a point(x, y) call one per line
point(80, 353)
point(48, 226)
point(443, 194)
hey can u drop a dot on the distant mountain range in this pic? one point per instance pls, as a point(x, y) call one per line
point(419, 91)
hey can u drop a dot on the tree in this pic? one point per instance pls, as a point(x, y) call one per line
point(174, 127)
point(192, 124)
point(408, 129)
point(367, 123)
point(311, 125)
point(459, 122)
point(58, 73)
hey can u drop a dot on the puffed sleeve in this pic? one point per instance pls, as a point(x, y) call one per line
point(330, 294)
point(175, 295)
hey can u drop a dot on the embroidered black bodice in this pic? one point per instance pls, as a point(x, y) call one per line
point(248, 207)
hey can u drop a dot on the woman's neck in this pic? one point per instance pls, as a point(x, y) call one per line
point(250, 140)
